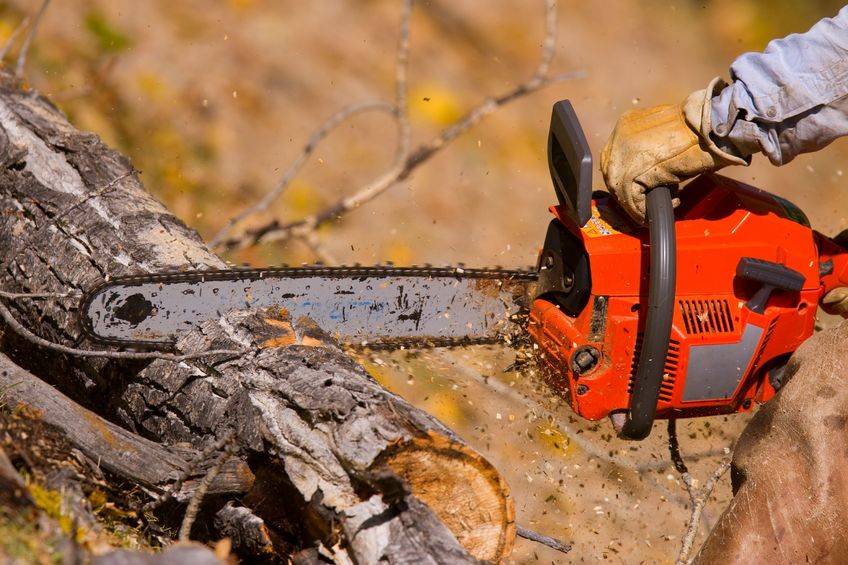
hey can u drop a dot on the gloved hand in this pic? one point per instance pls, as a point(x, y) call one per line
point(662, 145)
point(836, 301)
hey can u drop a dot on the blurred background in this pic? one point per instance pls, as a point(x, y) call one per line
point(213, 99)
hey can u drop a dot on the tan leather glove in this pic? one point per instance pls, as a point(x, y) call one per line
point(662, 145)
point(836, 301)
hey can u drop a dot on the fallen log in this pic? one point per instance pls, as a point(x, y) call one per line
point(112, 448)
point(338, 459)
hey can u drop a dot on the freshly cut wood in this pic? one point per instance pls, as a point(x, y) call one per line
point(337, 458)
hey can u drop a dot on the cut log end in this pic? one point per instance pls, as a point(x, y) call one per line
point(462, 488)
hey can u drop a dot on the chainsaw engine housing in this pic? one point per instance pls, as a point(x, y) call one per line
point(747, 290)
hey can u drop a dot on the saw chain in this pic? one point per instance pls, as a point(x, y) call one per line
point(378, 307)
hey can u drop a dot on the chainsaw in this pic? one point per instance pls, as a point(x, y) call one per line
point(696, 315)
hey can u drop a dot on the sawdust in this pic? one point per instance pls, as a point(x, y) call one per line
point(571, 479)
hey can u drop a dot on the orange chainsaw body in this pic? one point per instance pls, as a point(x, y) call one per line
point(723, 356)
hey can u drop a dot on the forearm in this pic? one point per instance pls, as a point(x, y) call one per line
point(790, 99)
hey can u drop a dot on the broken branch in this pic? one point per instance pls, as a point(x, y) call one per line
point(697, 497)
point(12, 38)
point(33, 29)
point(406, 161)
point(548, 541)
point(23, 332)
point(200, 492)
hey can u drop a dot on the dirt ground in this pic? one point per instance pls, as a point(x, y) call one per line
point(213, 99)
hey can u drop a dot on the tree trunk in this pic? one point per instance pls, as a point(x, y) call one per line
point(336, 457)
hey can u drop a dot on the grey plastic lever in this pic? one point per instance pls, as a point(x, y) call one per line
point(773, 276)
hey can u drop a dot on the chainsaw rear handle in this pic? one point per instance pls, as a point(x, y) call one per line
point(660, 311)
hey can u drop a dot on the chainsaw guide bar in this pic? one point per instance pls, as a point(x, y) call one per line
point(378, 307)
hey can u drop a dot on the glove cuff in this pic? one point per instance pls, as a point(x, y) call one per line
point(697, 111)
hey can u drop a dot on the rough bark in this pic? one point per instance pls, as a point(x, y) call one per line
point(336, 457)
point(112, 448)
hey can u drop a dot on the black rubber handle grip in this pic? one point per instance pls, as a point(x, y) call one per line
point(660, 311)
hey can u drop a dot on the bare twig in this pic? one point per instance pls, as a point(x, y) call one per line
point(553, 543)
point(697, 497)
point(40, 295)
point(549, 42)
point(402, 169)
point(12, 38)
point(314, 244)
point(200, 493)
point(177, 485)
point(400, 111)
point(401, 96)
point(22, 55)
point(311, 145)
point(22, 331)
point(699, 501)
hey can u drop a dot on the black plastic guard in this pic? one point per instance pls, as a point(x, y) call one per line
point(564, 276)
point(570, 162)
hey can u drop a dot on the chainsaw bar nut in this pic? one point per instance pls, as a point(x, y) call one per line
point(584, 359)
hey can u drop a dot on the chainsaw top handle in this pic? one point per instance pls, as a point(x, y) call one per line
point(570, 162)
point(660, 311)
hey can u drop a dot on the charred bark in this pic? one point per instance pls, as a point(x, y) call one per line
point(337, 458)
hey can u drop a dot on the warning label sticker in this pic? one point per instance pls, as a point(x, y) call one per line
point(605, 221)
